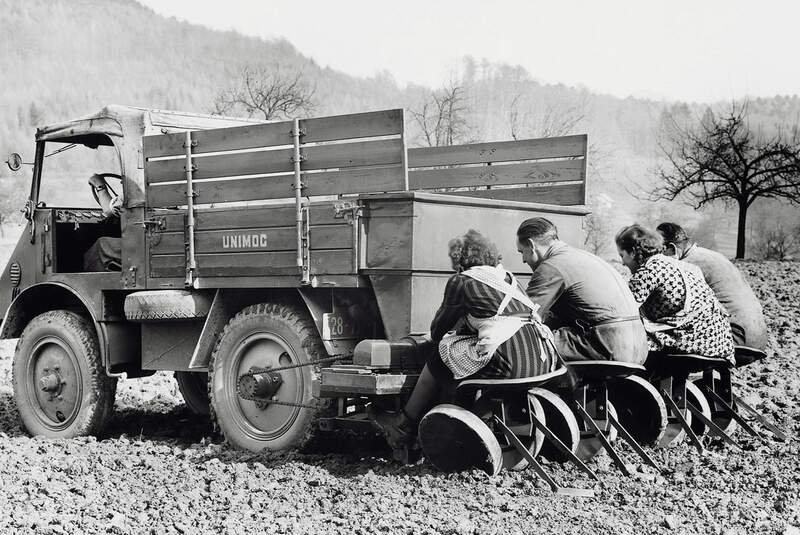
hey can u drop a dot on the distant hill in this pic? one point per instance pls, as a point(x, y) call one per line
point(64, 58)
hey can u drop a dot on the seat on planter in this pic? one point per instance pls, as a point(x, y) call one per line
point(515, 410)
point(685, 403)
point(601, 423)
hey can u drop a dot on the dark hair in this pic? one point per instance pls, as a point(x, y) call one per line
point(640, 241)
point(473, 249)
point(673, 233)
point(537, 229)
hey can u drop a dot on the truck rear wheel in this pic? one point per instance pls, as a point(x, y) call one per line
point(274, 411)
point(194, 389)
point(60, 387)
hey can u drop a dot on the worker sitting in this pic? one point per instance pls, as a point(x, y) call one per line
point(582, 298)
point(486, 327)
point(106, 252)
point(746, 315)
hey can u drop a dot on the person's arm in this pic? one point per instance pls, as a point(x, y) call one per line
point(546, 286)
point(110, 205)
point(451, 310)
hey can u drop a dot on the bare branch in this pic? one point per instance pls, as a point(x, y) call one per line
point(722, 159)
point(268, 93)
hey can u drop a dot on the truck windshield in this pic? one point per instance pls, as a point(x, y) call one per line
point(66, 171)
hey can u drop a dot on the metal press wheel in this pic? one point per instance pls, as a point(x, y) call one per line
point(519, 422)
point(268, 410)
point(695, 396)
point(719, 415)
point(640, 407)
point(60, 387)
point(560, 419)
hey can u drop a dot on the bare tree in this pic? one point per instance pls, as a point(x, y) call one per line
point(546, 119)
point(724, 159)
point(442, 118)
point(266, 93)
point(778, 241)
point(597, 227)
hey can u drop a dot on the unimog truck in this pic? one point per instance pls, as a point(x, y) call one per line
point(285, 271)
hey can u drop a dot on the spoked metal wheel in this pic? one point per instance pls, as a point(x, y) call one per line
point(60, 387)
point(257, 408)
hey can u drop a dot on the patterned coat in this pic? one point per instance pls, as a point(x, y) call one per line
point(517, 357)
point(701, 325)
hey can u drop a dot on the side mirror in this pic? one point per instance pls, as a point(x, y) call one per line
point(14, 161)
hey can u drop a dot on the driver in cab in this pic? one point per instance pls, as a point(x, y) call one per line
point(106, 252)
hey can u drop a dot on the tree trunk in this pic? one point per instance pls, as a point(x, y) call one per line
point(740, 235)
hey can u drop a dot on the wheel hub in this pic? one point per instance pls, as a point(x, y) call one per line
point(52, 381)
point(259, 386)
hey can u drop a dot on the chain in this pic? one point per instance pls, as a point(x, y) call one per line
point(287, 403)
point(257, 371)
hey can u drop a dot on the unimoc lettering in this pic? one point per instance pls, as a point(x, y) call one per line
point(244, 241)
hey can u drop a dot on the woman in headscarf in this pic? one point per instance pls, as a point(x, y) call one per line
point(486, 327)
point(679, 309)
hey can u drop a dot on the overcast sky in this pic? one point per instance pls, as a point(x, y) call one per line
point(699, 50)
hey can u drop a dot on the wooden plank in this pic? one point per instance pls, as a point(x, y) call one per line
point(566, 194)
point(501, 151)
point(365, 153)
point(491, 175)
point(237, 217)
point(256, 239)
point(355, 125)
point(254, 264)
point(358, 154)
point(279, 187)
point(345, 181)
point(243, 163)
point(220, 139)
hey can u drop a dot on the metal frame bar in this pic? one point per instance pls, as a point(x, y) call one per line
point(191, 262)
point(714, 428)
point(555, 487)
point(602, 438)
point(549, 435)
point(761, 419)
point(632, 442)
point(302, 235)
point(673, 408)
point(732, 412)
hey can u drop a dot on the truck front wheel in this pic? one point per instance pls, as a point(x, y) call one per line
point(267, 410)
point(60, 387)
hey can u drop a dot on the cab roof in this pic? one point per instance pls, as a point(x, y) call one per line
point(124, 127)
point(130, 121)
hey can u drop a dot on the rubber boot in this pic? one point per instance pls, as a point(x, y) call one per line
point(398, 430)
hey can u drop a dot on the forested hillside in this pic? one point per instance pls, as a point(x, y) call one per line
point(65, 58)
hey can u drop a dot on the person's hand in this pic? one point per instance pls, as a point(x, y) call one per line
point(114, 208)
